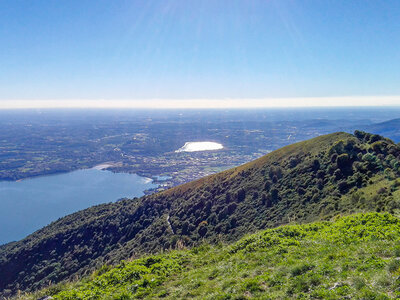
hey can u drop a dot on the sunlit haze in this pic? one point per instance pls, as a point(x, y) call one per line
point(199, 146)
point(205, 103)
point(180, 53)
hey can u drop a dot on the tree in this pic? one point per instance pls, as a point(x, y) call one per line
point(185, 227)
point(241, 194)
point(202, 228)
point(274, 194)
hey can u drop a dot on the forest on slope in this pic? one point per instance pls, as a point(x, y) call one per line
point(312, 180)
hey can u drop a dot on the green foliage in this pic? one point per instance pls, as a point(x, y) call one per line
point(354, 257)
point(126, 280)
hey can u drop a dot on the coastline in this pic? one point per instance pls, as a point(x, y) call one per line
point(48, 198)
point(105, 165)
point(157, 180)
point(162, 182)
point(101, 166)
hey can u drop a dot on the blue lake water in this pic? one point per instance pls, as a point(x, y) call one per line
point(30, 204)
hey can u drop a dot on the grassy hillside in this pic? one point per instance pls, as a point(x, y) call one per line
point(304, 182)
point(354, 257)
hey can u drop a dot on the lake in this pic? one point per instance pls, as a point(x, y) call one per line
point(30, 204)
point(200, 146)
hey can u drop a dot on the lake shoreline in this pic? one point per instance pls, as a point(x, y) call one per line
point(102, 166)
point(154, 179)
point(28, 205)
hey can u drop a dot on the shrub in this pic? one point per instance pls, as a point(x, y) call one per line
point(358, 283)
point(202, 228)
point(274, 195)
point(241, 194)
point(343, 161)
point(393, 265)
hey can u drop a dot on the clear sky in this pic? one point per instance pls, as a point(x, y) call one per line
point(195, 49)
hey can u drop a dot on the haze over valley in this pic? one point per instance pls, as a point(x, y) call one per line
point(145, 143)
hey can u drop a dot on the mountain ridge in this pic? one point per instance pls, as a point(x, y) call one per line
point(302, 182)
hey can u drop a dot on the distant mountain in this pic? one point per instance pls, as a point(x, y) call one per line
point(389, 128)
point(312, 180)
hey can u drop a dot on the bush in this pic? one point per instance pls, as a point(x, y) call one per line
point(202, 230)
point(241, 195)
point(274, 195)
point(393, 266)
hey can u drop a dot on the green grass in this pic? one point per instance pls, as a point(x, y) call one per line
point(354, 257)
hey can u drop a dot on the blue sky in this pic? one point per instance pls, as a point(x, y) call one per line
point(198, 49)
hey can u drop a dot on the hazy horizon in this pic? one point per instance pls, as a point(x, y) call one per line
point(370, 101)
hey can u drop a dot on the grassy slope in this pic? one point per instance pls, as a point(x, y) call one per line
point(298, 183)
point(353, 257)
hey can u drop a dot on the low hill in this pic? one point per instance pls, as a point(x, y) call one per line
point(354, 257)
point(303, 182)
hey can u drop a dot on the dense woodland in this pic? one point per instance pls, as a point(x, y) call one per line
point(316, 179)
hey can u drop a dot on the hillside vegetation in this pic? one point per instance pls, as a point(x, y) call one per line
point(312, 180)
point(355, 257)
